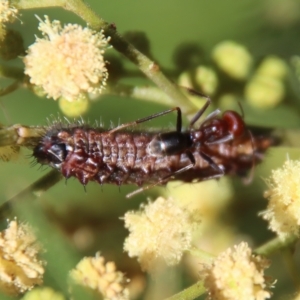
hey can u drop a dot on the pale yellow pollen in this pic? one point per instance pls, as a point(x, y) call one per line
point(20, 268)
point(237, 274)
point(102, 277)
point(162, 230)
point(7, 12)
point(68, 62)
point(283, 211)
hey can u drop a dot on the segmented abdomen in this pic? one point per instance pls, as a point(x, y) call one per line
point(122, 157)
point(106, 157)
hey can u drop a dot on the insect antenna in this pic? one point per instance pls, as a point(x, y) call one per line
point(242, 110)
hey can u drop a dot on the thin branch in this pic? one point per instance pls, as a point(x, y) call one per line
point(11, 72)
point(20, 135)
point(9, 89)
point(192, 292)
point(276, 244)
point(144, 93)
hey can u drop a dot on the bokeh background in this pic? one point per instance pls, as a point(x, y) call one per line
point(75, 223)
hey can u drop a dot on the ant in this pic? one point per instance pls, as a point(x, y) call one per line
point(213, 130)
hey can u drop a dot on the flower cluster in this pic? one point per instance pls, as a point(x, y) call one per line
point(283, 211)
point(266, 88)
point(68, 62)
point(7, 12)
point(44, 293)
point(102, 277)
point(161, 230)
point(20, 268)
point(237, 274)
point(233, 59)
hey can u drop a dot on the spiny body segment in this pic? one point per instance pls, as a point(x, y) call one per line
point(221, 145)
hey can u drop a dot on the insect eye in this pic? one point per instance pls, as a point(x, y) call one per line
point(50, 154)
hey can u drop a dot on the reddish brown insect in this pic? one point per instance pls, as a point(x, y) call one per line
point(219, 146)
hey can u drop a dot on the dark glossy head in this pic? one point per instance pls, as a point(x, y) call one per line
point(49, 152)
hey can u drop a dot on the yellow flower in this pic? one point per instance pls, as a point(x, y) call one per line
point(233, 58)
point(297, 297)
point(20, 268)
point(162, 230)
point(274, 67)
point(102, 277)
point(44, 293)
point(74, 109)
point(237, 275)
point(264, 92)
point(283, 211)
point(7, 13)
point(67, 62)
point(204, 77)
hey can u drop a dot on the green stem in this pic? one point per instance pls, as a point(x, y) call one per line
point(276, 244)
point(30, 4)
point(11, 72)
point(148, 67)
point(192, 292)
point(9, 89)
point(289, 260)
point(147, 93)
point(205, 257)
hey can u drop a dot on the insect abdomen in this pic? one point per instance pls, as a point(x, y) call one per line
point(106, 157)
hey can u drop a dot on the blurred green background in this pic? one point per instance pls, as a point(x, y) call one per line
point(263, 26)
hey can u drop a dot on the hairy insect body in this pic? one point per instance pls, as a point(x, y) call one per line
point(93, 154)
point(126, 157)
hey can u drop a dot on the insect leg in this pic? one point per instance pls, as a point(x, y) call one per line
point(163, 180)
point(188, 167)
point(178, 122)
point(224, 139)
point(204, 107)
point(212, 163)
